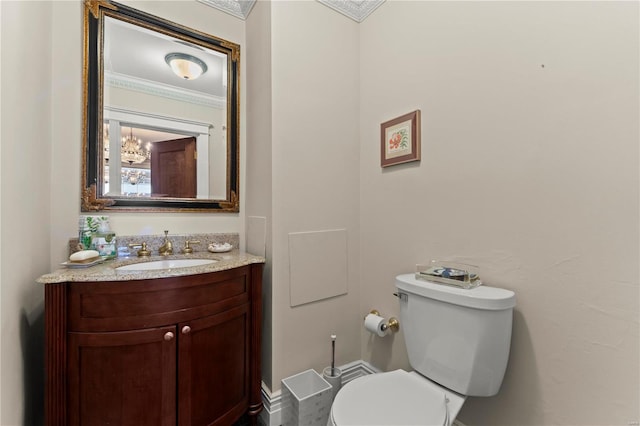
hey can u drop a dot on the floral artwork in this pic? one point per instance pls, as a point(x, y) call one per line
point(401, 139)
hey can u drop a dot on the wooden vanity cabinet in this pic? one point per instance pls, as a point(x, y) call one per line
point(170, 351)
point(120, 378)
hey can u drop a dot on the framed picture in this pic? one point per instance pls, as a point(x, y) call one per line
point(400, 139)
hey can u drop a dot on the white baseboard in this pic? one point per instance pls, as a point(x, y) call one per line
point(271, 414)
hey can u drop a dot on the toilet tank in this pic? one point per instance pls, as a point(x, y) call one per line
point(458, 338)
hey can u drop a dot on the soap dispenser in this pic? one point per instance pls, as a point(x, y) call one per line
point(103, 240)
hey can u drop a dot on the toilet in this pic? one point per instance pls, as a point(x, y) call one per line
point(458, 344)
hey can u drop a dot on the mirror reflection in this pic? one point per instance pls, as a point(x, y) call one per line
point(168, 114)
point(136, 163)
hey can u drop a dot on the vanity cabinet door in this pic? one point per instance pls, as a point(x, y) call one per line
point(122, 378)
point(213, 368)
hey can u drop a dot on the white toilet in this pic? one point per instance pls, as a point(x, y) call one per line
point(458, 344)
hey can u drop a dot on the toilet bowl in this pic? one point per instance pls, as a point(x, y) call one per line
point(458, 343)
point(394, 398)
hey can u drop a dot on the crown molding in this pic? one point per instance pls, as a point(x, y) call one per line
point(238, 8)
point(158, 89)
point(357, 10)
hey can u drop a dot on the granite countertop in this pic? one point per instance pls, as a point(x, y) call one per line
point(106, 271)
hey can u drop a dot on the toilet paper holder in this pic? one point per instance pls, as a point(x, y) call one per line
point(391, 324)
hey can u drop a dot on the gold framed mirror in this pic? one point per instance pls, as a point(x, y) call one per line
point(161, 125)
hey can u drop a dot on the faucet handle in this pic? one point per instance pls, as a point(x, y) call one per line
point(143, 249)
point(187, 248)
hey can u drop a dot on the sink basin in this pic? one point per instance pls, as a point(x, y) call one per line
point(165, 264)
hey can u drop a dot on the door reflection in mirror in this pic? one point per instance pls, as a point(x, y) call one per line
point(138, 151)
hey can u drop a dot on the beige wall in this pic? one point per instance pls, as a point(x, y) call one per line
point(315, 187)
point(530, 170)
point(25, 205)
point(259, 185)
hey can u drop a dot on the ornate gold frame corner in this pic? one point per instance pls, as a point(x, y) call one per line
point(90, 202)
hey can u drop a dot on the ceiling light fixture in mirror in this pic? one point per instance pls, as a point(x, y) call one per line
point(185, 66)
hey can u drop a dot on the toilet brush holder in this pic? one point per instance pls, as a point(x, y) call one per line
point(333, 376)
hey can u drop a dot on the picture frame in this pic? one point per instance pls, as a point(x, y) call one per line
point(400, 139)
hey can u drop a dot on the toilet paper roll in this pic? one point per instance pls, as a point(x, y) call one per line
point(375, 324)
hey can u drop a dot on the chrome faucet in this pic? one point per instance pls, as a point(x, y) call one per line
point(166, 248)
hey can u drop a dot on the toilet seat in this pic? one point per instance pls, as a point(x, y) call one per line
point(394, 398)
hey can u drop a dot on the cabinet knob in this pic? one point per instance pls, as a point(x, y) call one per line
point(186, 329)
point(168, 336)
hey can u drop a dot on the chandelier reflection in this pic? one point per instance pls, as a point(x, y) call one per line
point(131, 150)
point(134, 177)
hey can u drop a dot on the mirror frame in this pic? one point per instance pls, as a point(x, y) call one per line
point(93, 80)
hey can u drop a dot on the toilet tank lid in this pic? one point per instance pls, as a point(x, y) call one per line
point(481, 297)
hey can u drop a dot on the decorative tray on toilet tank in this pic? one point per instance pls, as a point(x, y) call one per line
point(449, 273)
